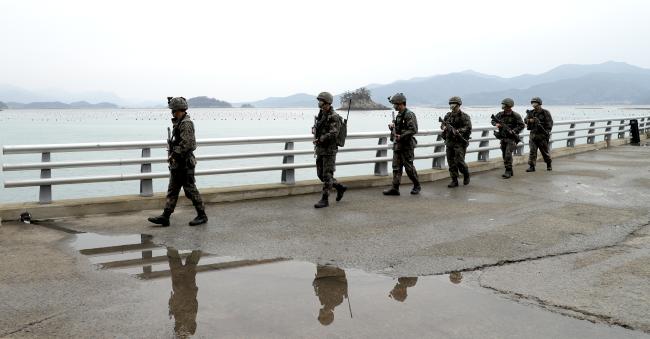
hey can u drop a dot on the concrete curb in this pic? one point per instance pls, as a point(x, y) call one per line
point(131, 203)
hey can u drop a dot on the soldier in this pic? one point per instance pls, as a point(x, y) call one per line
point(330, 286)
point(540, 124)
point(403, 131)
point(456, 131)
point(510, 125)
point(183, 304)
point(399, 291)
point(181, 165)
point(325, 131)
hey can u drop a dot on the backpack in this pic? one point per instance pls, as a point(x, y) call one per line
point(343, 131)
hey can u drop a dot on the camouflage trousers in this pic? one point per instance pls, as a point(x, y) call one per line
point(325, 167)
point(508, 147)
point(456, 159)
point(182, 178)
point(540, 142)
point(403, 160)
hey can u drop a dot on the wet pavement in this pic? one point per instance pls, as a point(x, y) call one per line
point(549, 255)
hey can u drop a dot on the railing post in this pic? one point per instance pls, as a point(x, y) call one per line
point(381, 168)
point(288, 175)
point(146, 185)
point(608, 136)
point(484, 155)
point(45, 191)
point(621, 130)
point(571, 142)
point(590, 138)
point(439, 161)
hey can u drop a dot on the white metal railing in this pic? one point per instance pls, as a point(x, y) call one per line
point(614, 126)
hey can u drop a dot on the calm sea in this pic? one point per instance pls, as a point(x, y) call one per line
point(19, 127)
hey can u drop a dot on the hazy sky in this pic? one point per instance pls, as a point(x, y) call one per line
point(245, 50)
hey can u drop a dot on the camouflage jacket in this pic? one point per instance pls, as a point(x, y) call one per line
point(326, 131)
point(543, 122)
point(462, 123)
point(406, 126)
point(183, 143)
point(513, 121)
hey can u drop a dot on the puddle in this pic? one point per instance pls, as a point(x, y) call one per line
point(194, 293)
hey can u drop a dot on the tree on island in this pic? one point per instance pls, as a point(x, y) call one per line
point(361, 100)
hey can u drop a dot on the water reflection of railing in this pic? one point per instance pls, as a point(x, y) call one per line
point(613, 128)
point(147, 259)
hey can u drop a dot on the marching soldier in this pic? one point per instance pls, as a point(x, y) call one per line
point(181, 165)
point(456, 131)
point(325, 131)
point(510, 125)
point(540, 124)
point(403, 131)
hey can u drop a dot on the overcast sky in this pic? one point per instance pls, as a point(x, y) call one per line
point(242, 50)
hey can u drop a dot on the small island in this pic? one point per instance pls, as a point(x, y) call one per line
point(361, 101)
point(247, 106)
point(205, 102)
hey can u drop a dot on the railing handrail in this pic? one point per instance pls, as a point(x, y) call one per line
point(124, 145)
point(618, 126)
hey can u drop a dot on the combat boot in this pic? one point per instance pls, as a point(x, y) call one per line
point(548, 167)
point(340, 190)
point(391, 191)
point(453, 183)
point(531, 168)
point(200, 219)
point(162, 220)
point(416, 189)
point(323, 202)
point(507, 174)
point(466, 177)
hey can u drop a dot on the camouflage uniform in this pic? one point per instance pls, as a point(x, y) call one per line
point(455, 146)
point(406, 126)
point(182, 166)
point(508, 141)
point(330, 286)
point(539, 139)
point(326, 132)
point(183, 304)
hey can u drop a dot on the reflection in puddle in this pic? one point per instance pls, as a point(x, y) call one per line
point(140, 257)
point(194, 293)
point(330, 286)
point(183, 305)
point(399, 291)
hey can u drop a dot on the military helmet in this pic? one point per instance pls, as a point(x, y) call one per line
point(397, 98)
point(326, 96)
point(536, 99)
point(455, 100)
point(177, 103)
point(508, 102)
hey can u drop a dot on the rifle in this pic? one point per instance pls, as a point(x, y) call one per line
point(507, 128)
point(453, 130)
point(313, 131)
point(392, 131)
point(348, 116)
point(170, 149)
point(529, 115)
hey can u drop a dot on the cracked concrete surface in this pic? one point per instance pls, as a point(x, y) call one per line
point(559, 242)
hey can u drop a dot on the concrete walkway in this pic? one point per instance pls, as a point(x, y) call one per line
point(574, 241)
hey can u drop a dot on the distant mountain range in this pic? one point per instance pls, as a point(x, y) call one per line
point(607, 83)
